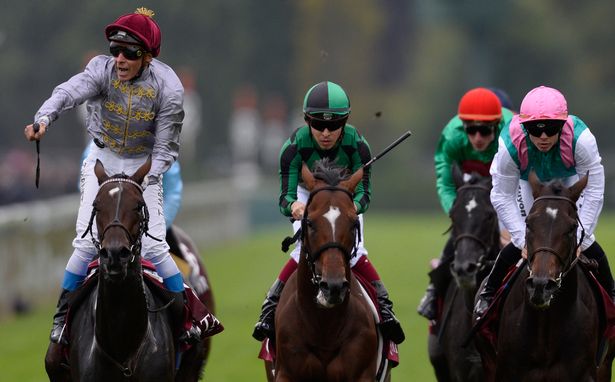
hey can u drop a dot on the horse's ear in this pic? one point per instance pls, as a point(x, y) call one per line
point(139, 175)
point(535, 183)
point(99, 170)
point(351, 183)
point(578, 187)
point(457, 175)
point(307, 177)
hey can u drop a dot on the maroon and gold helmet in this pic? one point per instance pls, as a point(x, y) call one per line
point(138, 28)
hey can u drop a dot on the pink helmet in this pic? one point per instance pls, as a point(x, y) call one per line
point(543, 103)
point(139, 24)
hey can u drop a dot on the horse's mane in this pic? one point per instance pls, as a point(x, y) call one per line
point(555, 186)
point(330, 172)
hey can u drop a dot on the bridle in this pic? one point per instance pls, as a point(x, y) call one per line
point(566, 266)
point(312, 255)
point(135, 241)
point(488, 247)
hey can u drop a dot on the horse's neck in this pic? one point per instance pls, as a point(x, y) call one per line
point(121, 313)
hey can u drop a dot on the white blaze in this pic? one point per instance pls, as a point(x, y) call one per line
point(471, 205)
point(552, 212)
point(332, 216)
point(113, 191)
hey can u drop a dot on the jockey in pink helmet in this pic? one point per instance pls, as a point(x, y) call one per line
point(545, 139)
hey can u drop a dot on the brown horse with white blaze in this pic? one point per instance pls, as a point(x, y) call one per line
point(325, 329)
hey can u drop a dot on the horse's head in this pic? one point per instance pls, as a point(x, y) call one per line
point(329, 229)
point(551, 237)
point(121, 219)
point(475, 230)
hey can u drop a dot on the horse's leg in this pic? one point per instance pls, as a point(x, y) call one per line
point(605, 369)
point(54, 361)
point(269, 371)
point(437, 358)
point(191, 367)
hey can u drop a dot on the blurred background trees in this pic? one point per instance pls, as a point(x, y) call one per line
point(404, 63)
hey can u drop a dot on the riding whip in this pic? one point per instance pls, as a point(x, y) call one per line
point(389, 148)
point(36, 127)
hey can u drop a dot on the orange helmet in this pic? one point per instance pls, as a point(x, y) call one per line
point(480, 104)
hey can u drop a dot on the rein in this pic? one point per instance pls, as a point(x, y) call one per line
point(312, 256)
point(566, 267)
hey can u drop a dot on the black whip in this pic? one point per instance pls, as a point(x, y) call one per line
point(389, 148)
point(36, 128)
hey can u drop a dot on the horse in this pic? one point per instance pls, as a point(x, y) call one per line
point(194, 272)
point(475, 236)
point(122, 329)
point(548, 327)
point(325, 329)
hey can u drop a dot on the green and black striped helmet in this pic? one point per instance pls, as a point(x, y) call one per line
point(326, 101)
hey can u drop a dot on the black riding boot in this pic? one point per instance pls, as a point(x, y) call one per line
point(59, 319)
point(604, 276)
point(440, 277)
point(194, 334)
point(265, 326)
point(389, 326)
point(508, 257)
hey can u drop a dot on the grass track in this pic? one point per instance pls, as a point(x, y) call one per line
point(241, 272)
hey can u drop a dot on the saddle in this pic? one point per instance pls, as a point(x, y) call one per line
point(194, 307)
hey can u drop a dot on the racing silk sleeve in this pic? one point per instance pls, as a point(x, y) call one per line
point(172, 186)
point(443, 158)
point(290, 165)
point(168, 119)
point(505, 176)
point(75, 91)
point(588, 160)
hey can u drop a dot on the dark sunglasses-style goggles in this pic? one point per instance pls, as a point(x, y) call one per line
point(484, 129)
point(130, 52)
point(322, 124)
point(550, 127)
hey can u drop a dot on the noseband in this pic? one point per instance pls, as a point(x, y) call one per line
point(135, 242)
point(566, 266)
point(312, 256)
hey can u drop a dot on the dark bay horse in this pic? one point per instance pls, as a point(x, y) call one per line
point(122, 330)
point(549, 323)
point(194, 272)
point(325, 330)
point(476, 239)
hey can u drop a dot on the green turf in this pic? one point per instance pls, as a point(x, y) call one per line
point(241, 272)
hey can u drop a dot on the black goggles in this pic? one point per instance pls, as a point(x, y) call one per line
point(130, 52)
point(331, 124)
point(550, 127)
point(484, 129)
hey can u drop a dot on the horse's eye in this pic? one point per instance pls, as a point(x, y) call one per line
point(103, 253)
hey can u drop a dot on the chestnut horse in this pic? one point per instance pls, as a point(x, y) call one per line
point(325, 330)
point(549, 322)
point(122, 330)
point(475, 235)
